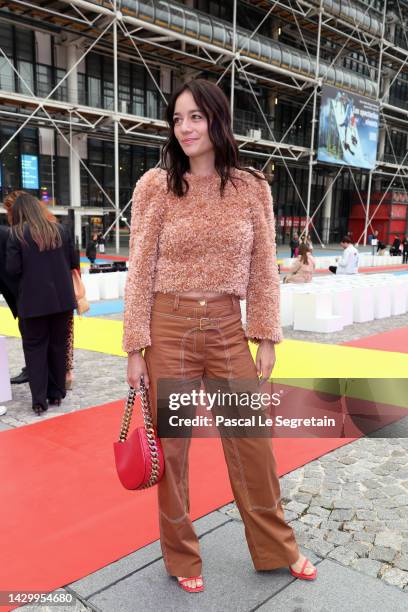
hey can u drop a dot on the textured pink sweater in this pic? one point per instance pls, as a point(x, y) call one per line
point(204, 242)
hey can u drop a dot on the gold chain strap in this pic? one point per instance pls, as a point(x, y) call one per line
point(148, 425)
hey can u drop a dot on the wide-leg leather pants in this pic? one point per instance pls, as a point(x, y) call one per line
point(195, 341)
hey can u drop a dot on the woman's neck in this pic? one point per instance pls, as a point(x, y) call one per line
point(202, 167)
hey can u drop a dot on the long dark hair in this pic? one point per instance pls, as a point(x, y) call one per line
point(304, 249)
point(212, 101)
point(27, 211)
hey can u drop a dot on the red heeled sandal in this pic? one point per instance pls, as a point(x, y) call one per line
point(189, 589)
point(301, 574)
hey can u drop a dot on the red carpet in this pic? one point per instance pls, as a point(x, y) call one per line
point(64, 513)
point(395, 341)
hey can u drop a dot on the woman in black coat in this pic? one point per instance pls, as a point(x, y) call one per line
point(41, 255)
point(91, 249)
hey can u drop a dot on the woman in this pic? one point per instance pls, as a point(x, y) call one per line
point(202, 237)
point(8, 204)
point(91, 249)
point(40, 252)
point(301, 271)
point(294, 246)
point(405, 250)
point(101, 242)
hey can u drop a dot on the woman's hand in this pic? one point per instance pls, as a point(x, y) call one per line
point(137, 368)
point(265, 359)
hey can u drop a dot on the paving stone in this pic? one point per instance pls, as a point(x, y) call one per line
point(311, 519)
point(371, 483)
point(397, 525)
point(361, 548)
point(320, 547)
point(389, 539)
point(319, 511)
point(302, 497)
point(348, 460)
point(396, 577)
point(402, 562)
point(333, 524)
point(381, 553)
point(353, 526)
point(295, 506)
point(315, 532)
point(387, 513)
point(393, 490)
point(300, 527)
point(363, 536)
point(290, 516)
point(324, 502)
point(366, 515)
point(375, 494)
point(231, 583)
point(131, 564)
point(314, 490)
point(374, 526)
point(343, 555)
point(234, 513)
point(342, 515)
point(396, 502)
point(332, 590)
point(351, 502)
point(367, 566)
point(339, 537)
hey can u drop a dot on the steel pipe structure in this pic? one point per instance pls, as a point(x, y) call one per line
point(180, 37)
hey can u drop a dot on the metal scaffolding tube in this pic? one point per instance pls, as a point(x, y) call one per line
point(215, 34)
point(314, 121)
point(116, 128)
point(212, 35)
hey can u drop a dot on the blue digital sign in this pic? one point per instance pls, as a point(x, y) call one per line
point(29, 171)
point(348, 129)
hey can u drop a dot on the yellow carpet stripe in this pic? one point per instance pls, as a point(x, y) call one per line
point(295, 358)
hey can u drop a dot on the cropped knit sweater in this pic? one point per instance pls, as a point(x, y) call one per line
point(205, 242)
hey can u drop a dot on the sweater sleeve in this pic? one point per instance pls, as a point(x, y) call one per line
point(263, 291)
point(144, 235)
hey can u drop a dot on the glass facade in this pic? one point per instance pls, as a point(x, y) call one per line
point(138, 95)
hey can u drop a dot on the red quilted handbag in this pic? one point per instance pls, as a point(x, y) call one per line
point(139, 459)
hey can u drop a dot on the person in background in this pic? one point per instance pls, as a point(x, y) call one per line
point(101, 242)
point(405, 250)
point(41, 254)
point(348, 264)
point(381, 246)
point(395, 249)
point(91, 248)
point(294, 245)
point(302, 268)
point(23, 376)
point(8, 284)
point(9, 290)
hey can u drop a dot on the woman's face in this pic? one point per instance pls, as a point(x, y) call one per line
point(191, 127)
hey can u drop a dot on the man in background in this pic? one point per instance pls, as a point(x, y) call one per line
point(348, 264)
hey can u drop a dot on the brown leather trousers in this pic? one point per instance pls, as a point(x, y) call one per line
point(199, 341)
